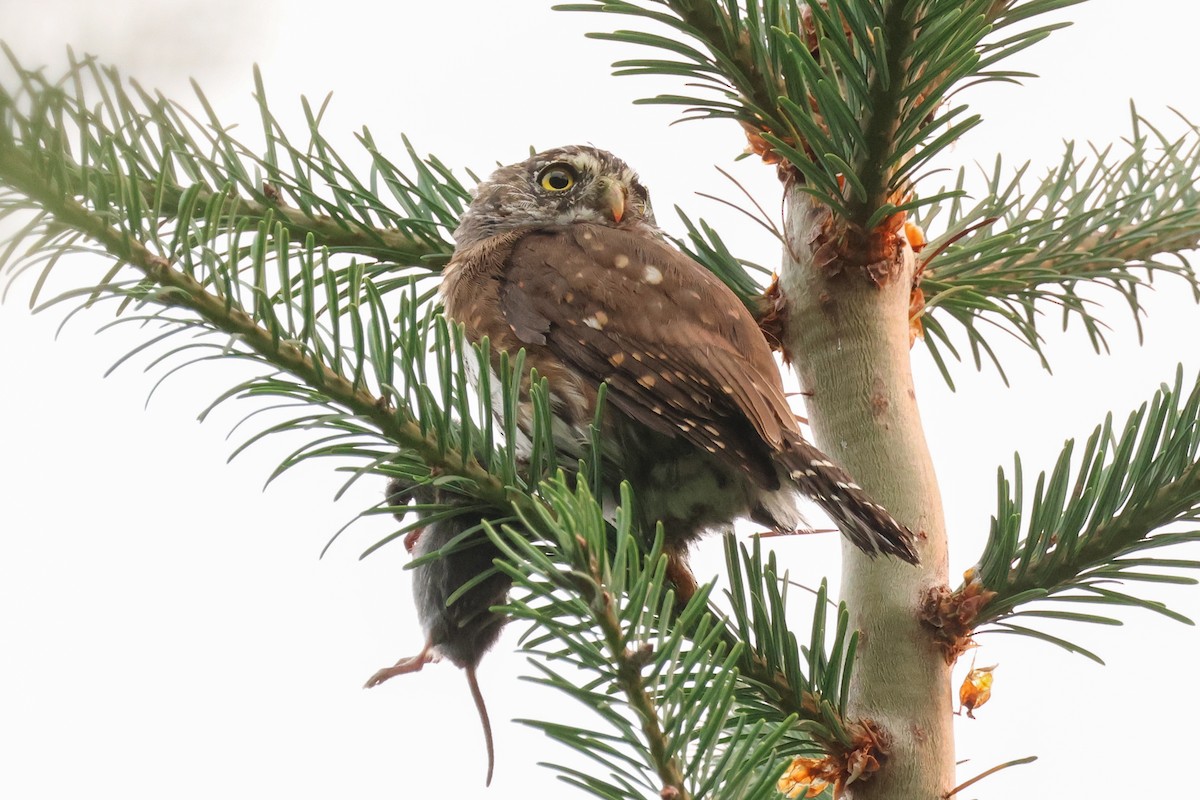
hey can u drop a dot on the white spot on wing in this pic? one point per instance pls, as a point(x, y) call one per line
point(653, 275)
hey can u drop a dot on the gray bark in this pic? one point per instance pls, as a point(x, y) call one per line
point(849, 338)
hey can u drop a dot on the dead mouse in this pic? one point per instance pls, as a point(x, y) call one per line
point(461, 631)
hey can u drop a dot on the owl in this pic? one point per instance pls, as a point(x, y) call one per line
point(560, 255)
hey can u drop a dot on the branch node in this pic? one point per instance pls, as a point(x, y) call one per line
point(951, 615)
point(865, 756)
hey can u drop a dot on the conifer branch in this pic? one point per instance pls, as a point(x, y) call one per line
point(884, 99)
point(600, 608)
point(330, 345)
point(1109, 219)
point(142, 142)
point(709, 705)
point(850, 95)
point(1116, 219)
point(1135, 489)
point(173, 288)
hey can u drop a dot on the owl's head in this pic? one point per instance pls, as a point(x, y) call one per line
point(578, 183)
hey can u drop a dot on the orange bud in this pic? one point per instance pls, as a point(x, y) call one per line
point(915, 236)
point(976, 689)
point(760, 146)
point(916, 310)
point(800, 780)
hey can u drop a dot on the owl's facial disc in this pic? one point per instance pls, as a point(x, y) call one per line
point(557, 187)
point(602, 190)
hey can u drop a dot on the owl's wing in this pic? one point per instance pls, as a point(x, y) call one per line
point(679, 351)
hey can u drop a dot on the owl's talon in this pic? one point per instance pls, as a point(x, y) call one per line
point(681, 578)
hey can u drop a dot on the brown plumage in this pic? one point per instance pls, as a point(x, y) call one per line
point(560, 255)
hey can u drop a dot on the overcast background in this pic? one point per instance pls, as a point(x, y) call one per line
point(166, 628)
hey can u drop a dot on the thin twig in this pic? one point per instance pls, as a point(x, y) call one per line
point(985, 773)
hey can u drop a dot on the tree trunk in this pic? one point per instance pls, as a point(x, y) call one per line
point(849, 337)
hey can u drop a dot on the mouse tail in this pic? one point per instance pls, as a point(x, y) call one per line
point(473, 682)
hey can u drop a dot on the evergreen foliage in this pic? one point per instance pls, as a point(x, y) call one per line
point(1136, 488)
point(1109, 219)
point(323, 280)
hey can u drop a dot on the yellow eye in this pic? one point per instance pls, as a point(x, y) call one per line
point(557, 178)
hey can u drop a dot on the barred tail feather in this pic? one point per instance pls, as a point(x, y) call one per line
point(863, 521)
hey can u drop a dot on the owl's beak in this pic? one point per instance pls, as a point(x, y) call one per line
point(613, 198)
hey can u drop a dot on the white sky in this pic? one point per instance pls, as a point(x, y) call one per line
point(167, 629)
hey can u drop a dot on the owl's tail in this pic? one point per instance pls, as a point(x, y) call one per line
point(863, 521)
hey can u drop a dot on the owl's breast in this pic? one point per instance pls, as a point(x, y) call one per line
point(471, 291)
point(476, 293)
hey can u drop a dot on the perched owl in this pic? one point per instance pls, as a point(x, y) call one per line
point(560, 255)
